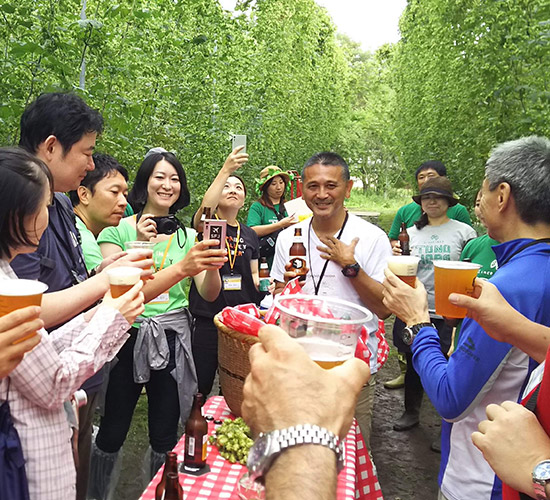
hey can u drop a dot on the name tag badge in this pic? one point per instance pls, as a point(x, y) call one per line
point(232, 282)
point(162, 298)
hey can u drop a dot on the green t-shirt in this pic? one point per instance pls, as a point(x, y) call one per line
point(165, 254)
point(90, 248)
point(479, 251)
point(410, 213)
point(259, 215)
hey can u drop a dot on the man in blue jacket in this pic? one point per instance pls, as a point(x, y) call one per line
point(515, 205)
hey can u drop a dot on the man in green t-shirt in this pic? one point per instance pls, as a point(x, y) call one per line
point(99, 202)
point(409, 214)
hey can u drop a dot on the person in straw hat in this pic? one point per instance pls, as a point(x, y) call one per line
point(268, 216)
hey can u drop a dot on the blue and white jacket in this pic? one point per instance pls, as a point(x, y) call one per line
point(482, 371)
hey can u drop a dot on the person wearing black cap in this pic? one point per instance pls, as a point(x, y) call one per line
point(434, 236)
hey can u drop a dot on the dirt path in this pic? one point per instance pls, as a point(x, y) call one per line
point(407, 468)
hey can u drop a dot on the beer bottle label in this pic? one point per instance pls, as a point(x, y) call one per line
point(298, 263)
point(204, 446)
point(264, 284)
point(191, 446)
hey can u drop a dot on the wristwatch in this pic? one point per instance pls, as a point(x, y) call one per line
point(268, 446)
point(351, 270)
point(410, 332)
point(541, 477)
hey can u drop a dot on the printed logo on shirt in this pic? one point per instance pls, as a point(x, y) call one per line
point(468, 348)
point(241, 248)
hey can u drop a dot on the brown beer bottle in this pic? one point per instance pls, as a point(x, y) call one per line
point(404, 240)
point(174, 491)
point(264, 275)
point(196, 436)
point(298, 253)
point(170, 466)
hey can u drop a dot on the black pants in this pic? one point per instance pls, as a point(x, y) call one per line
point(413, 385)
point(205, 352)
point(122, 397)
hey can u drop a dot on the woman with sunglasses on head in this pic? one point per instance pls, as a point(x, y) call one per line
point(158, 353)
point(432, 237)
point(239, 275)
point(37, 389)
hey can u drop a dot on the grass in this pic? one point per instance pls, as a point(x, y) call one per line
point(386, 203)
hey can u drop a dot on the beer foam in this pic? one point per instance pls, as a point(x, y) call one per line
point(455, 264)
point(20, 287)
point(403, 265)
point(124, 275)
point(320, 349)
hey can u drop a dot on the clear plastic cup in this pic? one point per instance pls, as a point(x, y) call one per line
point(326, 328)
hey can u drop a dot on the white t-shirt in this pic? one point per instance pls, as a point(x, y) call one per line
point(372, 252)
point(431, 243)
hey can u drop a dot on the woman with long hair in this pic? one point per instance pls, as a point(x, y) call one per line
point(47, 377)
point(158, 354)
point(432, 237)
point(268, 216)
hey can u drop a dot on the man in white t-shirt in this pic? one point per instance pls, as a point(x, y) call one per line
point(346, 255)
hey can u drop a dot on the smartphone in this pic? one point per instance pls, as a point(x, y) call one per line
point(215, 229)
point(238, 140)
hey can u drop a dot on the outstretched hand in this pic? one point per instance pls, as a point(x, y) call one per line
point(201, 257)
point(235, 160)
point(18, 336)
point(285, 387)
point(409, 304)
point(129, 304)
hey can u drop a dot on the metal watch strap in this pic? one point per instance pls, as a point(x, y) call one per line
point(309, 434)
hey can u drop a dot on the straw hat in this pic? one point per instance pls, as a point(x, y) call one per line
point(268, 173)
point(440, 186)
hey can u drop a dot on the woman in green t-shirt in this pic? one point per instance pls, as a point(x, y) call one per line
point(158, 354)
point(268, 216)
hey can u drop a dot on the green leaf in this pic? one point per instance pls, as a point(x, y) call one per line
point(8, 8)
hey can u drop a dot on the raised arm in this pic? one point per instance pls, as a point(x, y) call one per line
point(212, 195)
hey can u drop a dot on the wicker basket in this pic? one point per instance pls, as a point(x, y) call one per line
point(233, 363)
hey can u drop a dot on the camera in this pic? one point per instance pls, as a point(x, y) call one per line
point(167, 224)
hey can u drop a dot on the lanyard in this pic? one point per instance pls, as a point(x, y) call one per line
point(165, 253)
point(232, 260)
point(524, 247)
point(317, 286)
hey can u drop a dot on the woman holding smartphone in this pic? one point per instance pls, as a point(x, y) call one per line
point(158, 354)
point(35, 391)
point(239, 274)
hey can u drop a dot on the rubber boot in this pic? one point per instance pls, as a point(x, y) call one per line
point(399, 381)
point(152, 462)
point(414, 393)
point(104, 472)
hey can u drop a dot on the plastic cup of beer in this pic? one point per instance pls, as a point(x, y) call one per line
point(122, 279)
point(453, 276)
point(404, 267)
point(17, 294)
point(325, 327)
point(136, 246)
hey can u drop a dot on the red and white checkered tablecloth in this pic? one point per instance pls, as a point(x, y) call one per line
point(357, 480)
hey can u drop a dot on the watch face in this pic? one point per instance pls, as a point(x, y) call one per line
point(351, 271)
point(257, 452)
point(407, 336)
point(542, 471)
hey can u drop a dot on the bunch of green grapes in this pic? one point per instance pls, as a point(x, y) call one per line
point(233, 440)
